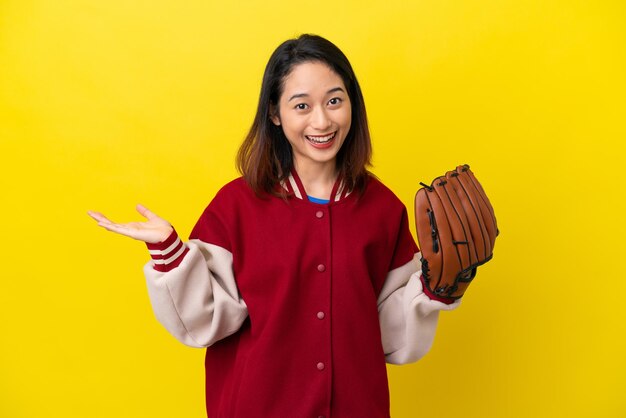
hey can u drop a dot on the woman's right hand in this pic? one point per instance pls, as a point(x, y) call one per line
point(152, 231)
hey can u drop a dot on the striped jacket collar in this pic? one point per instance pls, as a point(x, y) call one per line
point(294, 187)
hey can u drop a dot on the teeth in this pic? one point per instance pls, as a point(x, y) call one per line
point(321, 139)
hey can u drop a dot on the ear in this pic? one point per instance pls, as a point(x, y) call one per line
point(274, 115)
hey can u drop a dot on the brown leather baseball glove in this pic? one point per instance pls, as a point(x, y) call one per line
point(456, 230)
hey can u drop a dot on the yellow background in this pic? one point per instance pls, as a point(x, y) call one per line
point(105, 104)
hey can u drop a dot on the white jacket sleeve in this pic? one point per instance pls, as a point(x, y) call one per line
point(408, 317)
point(197, 301)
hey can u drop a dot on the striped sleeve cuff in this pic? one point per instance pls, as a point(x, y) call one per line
point(168, 254)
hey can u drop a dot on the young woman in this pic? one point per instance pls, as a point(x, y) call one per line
point(301, 277)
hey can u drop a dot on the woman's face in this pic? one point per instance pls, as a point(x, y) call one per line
point(315, 113)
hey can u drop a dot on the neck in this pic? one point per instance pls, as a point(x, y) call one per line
point(318, 179)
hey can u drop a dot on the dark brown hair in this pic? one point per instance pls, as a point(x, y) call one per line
point(265, 157)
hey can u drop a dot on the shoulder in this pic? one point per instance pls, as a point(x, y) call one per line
point(225, 201)
point(219, 216)
point(232, 193)
point(236, 186)
point(378, 192)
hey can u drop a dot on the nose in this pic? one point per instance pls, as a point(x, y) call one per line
point(319, 119)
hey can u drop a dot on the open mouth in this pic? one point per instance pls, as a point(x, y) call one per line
point(321, 141)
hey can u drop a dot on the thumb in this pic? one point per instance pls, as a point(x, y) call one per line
point(146, 213)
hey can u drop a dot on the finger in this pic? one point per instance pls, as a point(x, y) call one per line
point(98, 216)
point(146, 213)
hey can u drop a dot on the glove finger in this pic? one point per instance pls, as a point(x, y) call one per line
point(471, 205)
point(450, 261)
point(483, 211)
point(462, 203)
point(490, 218)
point(428, 237)
point(458, 224)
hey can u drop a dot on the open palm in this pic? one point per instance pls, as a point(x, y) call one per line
point(153, 230)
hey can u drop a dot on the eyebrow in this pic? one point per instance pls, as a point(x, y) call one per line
point(295, 96)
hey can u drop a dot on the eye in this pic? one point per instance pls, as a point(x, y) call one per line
point(301, 106)
point(335, 101)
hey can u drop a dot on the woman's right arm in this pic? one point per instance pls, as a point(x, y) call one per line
point(191, 285)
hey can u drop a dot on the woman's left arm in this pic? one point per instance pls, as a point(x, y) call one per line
point(408, 317)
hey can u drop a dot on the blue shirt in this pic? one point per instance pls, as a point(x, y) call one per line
point(316, 200)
